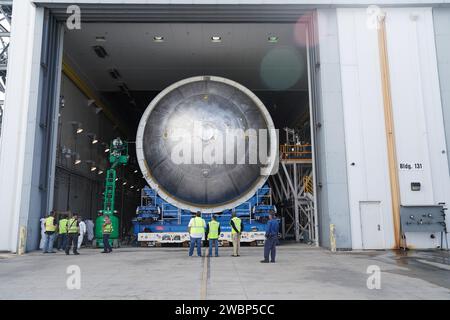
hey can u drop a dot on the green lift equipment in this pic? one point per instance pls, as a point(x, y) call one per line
point(118, 155)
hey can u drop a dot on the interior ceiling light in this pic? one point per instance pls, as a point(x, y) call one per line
point(135, 171)
point(100, 171)
point(216, 39)
point(77, 126)
point(158, 39)
point(114, 74)
point(272, 39)
point(124, 183)
point(100, 51)
point(93, 168)
point(93, 137)
point(77, 159)
point(124, 88)
point(131, 187)
point(107, 150)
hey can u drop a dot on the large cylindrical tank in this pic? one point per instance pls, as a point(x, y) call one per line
point(192, 119)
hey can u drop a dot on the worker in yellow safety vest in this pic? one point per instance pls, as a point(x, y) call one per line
point(107, 229)
point(236, 229)
point(62, 233)
point(196, 229)
point(213, 232)
point(72, 234)
point(49, 235)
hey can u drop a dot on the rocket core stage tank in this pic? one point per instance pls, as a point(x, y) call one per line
point(192, 117)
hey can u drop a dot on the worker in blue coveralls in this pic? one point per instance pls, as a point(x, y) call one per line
point(270, 244)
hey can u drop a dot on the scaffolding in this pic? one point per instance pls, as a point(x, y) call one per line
point(5, 33)
point(293, 190)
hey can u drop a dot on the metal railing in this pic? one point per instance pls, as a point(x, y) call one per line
point(296, 151)
point(261, 197)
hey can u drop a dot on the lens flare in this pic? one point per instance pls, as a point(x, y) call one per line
point(281, 68)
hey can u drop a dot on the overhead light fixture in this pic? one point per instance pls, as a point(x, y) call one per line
point(117, 179)
point(106, 147)
point(125, 183)
point(77, 126)
point(216, 39)
point(77, 159)
point(100, 171)
point(114, 74)
point(100, 51)
point(272, 39)
point(93, 137)
point(92, 163)
point(135, 171)
point(158, 39)
point(132, 187)
point(124, 89)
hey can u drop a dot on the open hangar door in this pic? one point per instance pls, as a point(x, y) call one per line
point(121, 59)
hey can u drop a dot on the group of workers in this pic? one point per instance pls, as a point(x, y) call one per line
point(197, 228)
point(71, 232)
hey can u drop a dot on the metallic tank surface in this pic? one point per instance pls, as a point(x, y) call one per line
point(198, 144)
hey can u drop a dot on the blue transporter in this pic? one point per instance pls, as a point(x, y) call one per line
point(158, 221)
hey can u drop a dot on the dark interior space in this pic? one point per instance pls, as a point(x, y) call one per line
point(128, 64)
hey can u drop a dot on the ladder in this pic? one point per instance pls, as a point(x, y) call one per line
point(110, 191)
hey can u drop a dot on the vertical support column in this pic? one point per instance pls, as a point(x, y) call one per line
point(310, 43)
point(17, 145)
point(333, 204)
point(389, 124)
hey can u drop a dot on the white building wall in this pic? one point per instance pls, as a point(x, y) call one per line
point(419, 125)
point(418, 120)
point(365, 137)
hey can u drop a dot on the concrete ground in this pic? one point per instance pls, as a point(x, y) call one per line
point(301, 272)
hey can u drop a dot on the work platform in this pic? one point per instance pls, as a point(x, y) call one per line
point(297, 161)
